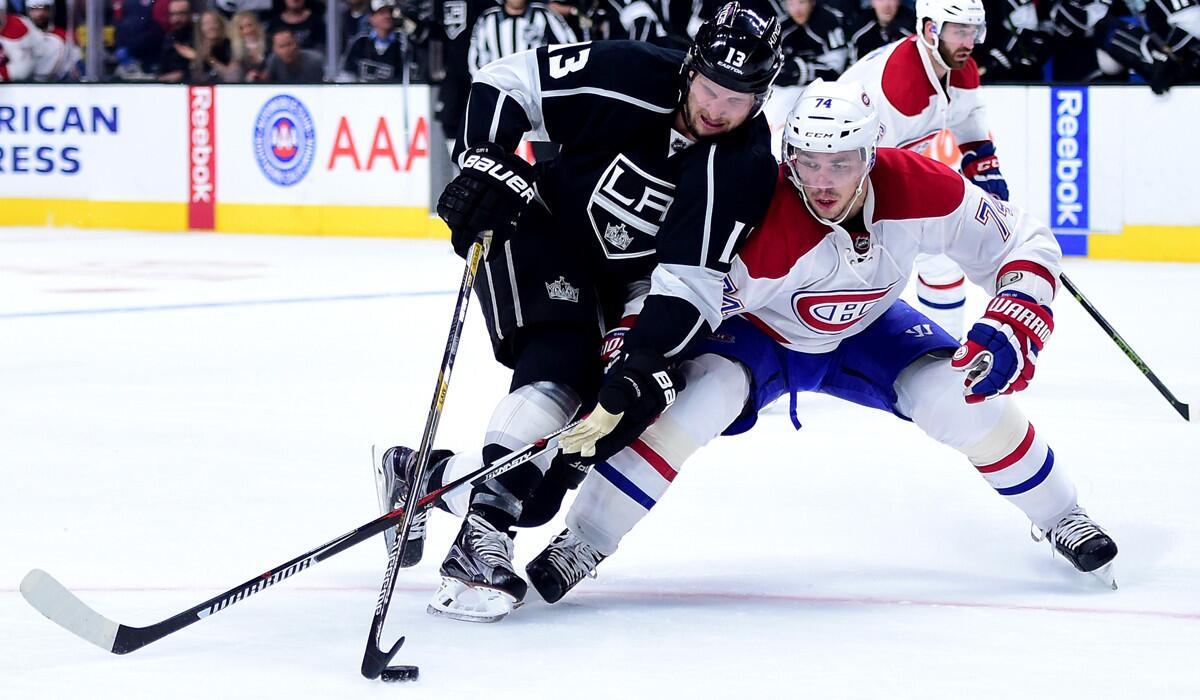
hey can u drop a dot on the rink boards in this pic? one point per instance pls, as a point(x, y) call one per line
point(1107, 166)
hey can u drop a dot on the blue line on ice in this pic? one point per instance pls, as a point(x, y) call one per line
point(221, 304)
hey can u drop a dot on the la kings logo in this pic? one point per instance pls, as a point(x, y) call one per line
point(627, 206)
point(454, 17)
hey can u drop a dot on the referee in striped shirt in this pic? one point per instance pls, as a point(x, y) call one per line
point(514, 26)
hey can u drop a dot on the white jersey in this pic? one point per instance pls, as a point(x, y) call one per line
point(913, 104)
point(809, 286)
point(28, 53)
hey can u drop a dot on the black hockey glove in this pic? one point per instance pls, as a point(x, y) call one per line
point(637, 390)
point(490, 192)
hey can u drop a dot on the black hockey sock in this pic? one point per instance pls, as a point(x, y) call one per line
point(437, 469)
point(547, 498)
point(507, 493)
point(501, 520)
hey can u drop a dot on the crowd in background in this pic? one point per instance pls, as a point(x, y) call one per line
point(445, 41)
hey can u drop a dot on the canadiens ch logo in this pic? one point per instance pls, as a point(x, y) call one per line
point(284, 140)
point(834, 312)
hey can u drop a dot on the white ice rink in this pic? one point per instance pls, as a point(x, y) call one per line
point(181, 412)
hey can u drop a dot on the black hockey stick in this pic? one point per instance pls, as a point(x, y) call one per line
point(375, 657)
point(1179, 406)
point(59, 605)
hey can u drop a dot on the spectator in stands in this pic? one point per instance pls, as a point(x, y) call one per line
point(888, 21)
point(41, 13)
point(175, 58)
point(289, 63)
point(139, 41)
point(377, 55)
point(229, 8)
point(304, 21)
point(355, 17)
point(248, 41)
point(813, 43)
point(212, 58)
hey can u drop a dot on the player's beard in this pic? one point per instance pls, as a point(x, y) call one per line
point(697, 129)
point(956, 61)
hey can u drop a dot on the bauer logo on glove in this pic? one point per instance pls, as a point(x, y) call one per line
point(501, 173)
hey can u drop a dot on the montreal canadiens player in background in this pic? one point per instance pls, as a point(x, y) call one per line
point(665, 167)
point(815, 295)
point(921, 85)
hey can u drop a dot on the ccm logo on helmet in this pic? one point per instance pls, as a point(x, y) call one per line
point(817, 135)
point(515, 182)
point(830, 313)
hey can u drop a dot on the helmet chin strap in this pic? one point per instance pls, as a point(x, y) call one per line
point(845, 211)
point(934, 48)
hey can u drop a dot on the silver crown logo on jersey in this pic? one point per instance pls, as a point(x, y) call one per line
point(617, 235)
point(562, 290)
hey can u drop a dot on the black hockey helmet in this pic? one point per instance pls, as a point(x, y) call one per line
point(737, 49)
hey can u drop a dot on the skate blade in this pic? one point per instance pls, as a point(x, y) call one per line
point(1107, 575)
point(459, 601)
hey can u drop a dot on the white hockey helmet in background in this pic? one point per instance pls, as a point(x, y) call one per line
point(969, 12)
point(830, 138)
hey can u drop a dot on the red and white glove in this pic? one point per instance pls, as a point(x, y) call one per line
point(1001, 351)
point(614, 341)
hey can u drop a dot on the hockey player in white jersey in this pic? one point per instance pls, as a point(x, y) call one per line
point(814, 300)
point(28, 53)
point(921, 85)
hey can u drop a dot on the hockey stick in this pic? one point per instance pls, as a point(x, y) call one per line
point(60, 606)
point(375, 657)
point(1179, 406)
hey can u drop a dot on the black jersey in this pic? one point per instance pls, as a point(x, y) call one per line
point(451, 28)
point(815, 49)
point(1177, 23)
point(636, 197)
point(1015, 48)
point(870, 34)
point(370, 60)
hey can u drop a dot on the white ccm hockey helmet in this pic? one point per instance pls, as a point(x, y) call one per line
point(968, 12)
point(829, 140)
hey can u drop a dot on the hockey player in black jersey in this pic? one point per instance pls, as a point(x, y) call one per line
point(665, 168)
point(813, 43)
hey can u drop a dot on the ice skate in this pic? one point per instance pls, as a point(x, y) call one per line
point(561, 565)
point(479, 583)
point(1081, 541)
point(393, 473)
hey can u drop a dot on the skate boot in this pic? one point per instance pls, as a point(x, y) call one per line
point(1081, 541)
point(561, 565)
point(479, 583)
point(393, 473)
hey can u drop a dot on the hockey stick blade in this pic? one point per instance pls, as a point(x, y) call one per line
point(1180, 407)
point(63, 608)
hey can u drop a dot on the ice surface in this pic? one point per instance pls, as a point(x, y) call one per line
point(180, 412)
